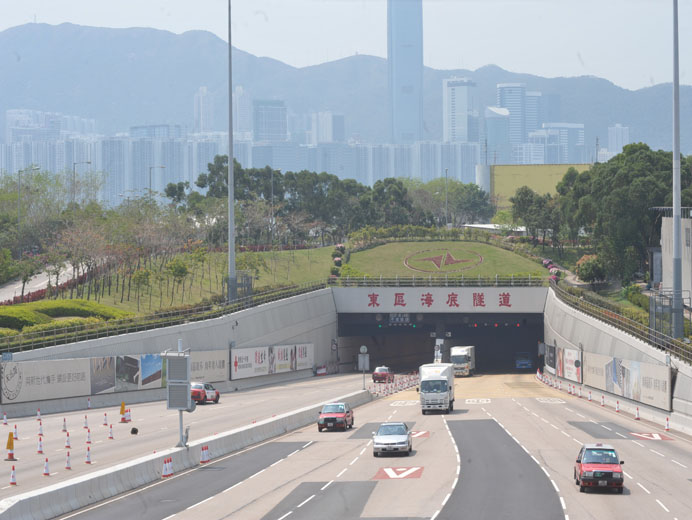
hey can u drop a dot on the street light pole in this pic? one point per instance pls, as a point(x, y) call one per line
point(232, 276)
point(151, 168)
point(74, 184)
point(446, 201)
point(677, 306)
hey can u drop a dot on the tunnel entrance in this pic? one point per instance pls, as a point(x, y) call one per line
point(404, 342)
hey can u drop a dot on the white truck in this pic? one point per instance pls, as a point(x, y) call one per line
point(436, 387)
point(464, 360)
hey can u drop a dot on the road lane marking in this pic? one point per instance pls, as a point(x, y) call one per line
point(582, 416)
point(554, 485)
point(604, 426)
point(535, 460)
point(308, 444)
point(621, 435)
point(577, 441)
point(369, 442)
point(545, 420)
point(562, 501)
point(292, 453)
point(353, 461)
point(545, 471)
point(363, 450)
point(435, 515)
point(395, 411)
point(664, 507)
point(678, 463)
point(563, 432)
point(551, 424)
point(305, 501)
point(342, 472)
point(326, 485)
point(657, 453)
point(444, 502)
point(199, 503)
point(569, 410)
point(260, 471)
point(638, 444)
point(171, 516)
point(282, 518)
point(483, 409)
point(456, 480)
point(627, 475)
point(234, 485)
point(647, 491)
point(276, 463)
point(591, 420)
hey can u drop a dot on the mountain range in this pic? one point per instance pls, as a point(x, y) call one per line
point(127, 77)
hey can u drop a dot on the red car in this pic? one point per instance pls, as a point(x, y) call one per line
point(382, 375)
point(598, 465)
point(203, 392)
point(335, 415)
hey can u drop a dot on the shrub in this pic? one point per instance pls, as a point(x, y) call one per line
point(18, 316)
point(60, 325)
point(350, 272)
point(590, 269)
point(7, 332)
point(77, 308)
point(334, 271)
point(336, 253)
point(337, 261)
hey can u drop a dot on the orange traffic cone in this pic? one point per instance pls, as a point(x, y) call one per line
point(205, 455)
point(110, 433)
point(667, 424)
point(170, 466)
point(86, 423)
point(636, 415)
point(64, 424)
point(164, 471)
point(40, 446)
point(67, 461)
point(10, 447)
point(122, 412)
point(67, 441)
point(105, 419)
point(13, 478)
point(38, 414)
point(40, 428)
point(88, 440)
point(88, 456)
point(4, 418)
point(46, 471)
point(16, 437)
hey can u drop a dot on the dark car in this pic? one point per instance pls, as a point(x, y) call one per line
point(203, 392)
point(599, 466)
point(335, 415)
point(383, 375)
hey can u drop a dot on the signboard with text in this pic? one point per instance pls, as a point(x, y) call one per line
point(275, 359)
point(38, 380)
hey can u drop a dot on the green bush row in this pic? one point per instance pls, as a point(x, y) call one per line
point(7, 332)
point(78, 308)
point(19, 316)
point(61, 325)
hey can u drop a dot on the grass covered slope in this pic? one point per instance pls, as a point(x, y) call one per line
point(46, 312)
point(453, 258)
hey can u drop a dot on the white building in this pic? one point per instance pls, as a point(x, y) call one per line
point(204, 111)
point(618, 137)
point(457, 107)
point(512, 96)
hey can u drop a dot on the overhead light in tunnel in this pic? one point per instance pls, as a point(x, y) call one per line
point(518, 324)
point(496, 325)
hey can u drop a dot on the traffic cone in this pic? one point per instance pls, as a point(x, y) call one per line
point(636, 414)
point(617, 406)
point(122, 412)
point(88, 403)
point(579, 392)
point(602, 400)
point(39, 449)
point(110, 433)
point(13, 478)
point(128, 417)
point(589, 395)
point(205, 455)
point(46, 471)
point(16, 437)
point(164, 471)
point(86, 423)
point(559, 385)
point(105, 419)
point(88, 440)
point(40, 428)
point(88, 456)
point(64, 424)
point(38, 414)
point(170, 466)
point(67, 461)
point(667, 424)
point(4, 418)
point(67, 441)
point(10, 447)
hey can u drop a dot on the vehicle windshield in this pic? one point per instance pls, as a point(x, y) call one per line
point(522, 355)
point(600, 457)
point(333, 408)
point(392, 429)
point(463, 358)
point(434, 387)
point(382, 369)
point(197, 386)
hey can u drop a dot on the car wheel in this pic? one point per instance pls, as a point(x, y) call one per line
point(375, 454)
point(576, 480)
point(319, 429)
point(582, 489)
point(216, 401)
point(451, 406)
point(621, 490)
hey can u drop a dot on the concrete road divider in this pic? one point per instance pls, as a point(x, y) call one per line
point(69, 495)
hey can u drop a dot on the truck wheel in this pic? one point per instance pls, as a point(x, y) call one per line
point(451, 406)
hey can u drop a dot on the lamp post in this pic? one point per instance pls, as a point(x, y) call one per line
point(19, 200)
point(74, 184)
point(232, 276)
point(151, 168)
point(446, 201)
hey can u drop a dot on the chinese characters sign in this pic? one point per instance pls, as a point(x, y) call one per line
point(276, 359)
point(209, 365)
point(37, 380)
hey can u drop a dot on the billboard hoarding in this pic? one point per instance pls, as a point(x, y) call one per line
point(38, 380)
point(274, 359)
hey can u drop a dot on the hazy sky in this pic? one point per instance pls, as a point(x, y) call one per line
point(628, 42)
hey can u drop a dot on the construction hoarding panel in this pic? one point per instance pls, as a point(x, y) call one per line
point(644, 382)
point(38, 380)
point(102, 375)
point(209, 365)
point(153, 371)
point(275, 359)
point(127, 374)
point(249, 362)
point(572, 364)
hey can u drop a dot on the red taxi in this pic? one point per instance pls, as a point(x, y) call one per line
point(383, 375)
point(203, 392)
point(599, 466)
point(335, 415)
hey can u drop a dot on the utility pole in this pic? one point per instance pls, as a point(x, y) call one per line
point(446, 202)
point(677, 310)
point(232, 276)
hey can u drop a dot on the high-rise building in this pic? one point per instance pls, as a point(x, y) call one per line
point(534, 111)
point(269, 121)
point(512, 96)
point(618, 137)
point(495, 145)
point(405, 67)
point(571, 142)
point(204, 111)
point(326, 127)
point(457, 109)
point(242, 114)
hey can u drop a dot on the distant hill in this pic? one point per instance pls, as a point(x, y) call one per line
point(125, 77)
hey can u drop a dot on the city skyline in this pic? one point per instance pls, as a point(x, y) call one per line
point(289, 32)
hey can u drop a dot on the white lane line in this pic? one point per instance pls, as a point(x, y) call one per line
point(582, 416)
point(544, 420)
point(171, 516)
point(545, 471)
point(657, 453)
point(308, 444)
point(562, 501)
point(513, 399)
point(638, 444)
point(535, 460)
point(363, 450)
point(458, 467)
point(551, 424)
point(342, 472)
point(260, 471)
point(577, 441)
point(234, 485)
point(389, 418)
point(276, 463)
point(326, 485)
point(627, 475)
point(369, 442)
point(282, 518)
point(591, 420)
point(569, 410)
point(604, 426)
point(353, 461)
point(621, 435)
point(483, 409)
point(395, 411)
point(292, 453)
point(557, 490)
point(435, 515)
point(563, 432)
point(534, 414)
point(446, 498)
point(647, 491)
point(522, 447)
point(199, 503)
point(678, 463)
point(305, 501)
point(664, 507)
point(524, 407)
point(456, 480)
point(488, 414)
point(6, 487)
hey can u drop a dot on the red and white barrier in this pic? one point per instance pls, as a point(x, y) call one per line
point(636, 414)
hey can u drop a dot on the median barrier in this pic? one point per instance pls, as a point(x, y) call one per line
point(63, 497)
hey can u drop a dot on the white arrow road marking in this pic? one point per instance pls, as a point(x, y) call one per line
point(400, 472)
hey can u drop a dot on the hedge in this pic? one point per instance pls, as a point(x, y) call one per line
point(60, 325)
point(7, 332)
point(74, 308)
point(17, 317)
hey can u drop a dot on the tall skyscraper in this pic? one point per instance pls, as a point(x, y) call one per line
point(512, 96)
point(204, 111)
point(618, 137)
point(242, 113)
point(405, 62)
point(496, 148)
point(457, 107)
point(570, 141)
point(534, 112)
point(269, 120)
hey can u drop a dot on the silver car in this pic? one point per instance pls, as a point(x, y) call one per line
point(392, 437)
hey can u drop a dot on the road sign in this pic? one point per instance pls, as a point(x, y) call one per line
point(363, 349)
point(398, 473)
point(420, 435)
point(652, 436)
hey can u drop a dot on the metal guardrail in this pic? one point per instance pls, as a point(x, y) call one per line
point(674, 347)
point(444, 281)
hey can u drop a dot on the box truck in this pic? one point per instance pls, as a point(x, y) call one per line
point(464, 360)
point(436, 387)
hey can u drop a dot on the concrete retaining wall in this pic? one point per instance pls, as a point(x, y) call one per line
point(69, 495)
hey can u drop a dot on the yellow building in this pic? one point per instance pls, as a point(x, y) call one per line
point(505, 179)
